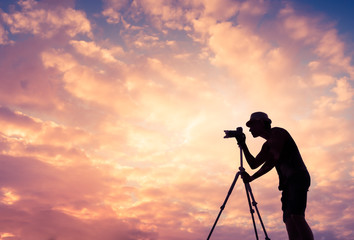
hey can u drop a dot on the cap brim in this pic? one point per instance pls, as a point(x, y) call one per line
point(248, 123)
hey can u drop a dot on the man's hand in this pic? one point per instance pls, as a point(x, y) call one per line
point(241, 140)
point(246, 177)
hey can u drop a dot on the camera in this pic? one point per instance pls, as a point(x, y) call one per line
point(238, 134)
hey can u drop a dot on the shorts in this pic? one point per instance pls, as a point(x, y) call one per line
point(294, 195)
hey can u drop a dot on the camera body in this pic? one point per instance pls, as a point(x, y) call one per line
point(233, 133)
point(238, 134)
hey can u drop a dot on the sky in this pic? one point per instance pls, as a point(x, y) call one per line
point(112, 115)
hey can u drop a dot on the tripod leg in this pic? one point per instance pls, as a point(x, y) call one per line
point(224, 204)
point(254, 203)
point(251, 209)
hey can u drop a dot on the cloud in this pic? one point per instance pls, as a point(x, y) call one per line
point(18, 121)
point(90, 49)
point(25, 136)
point(112, 10)
point(325, 40)
point(46, 22)
point(24, 81)
point(22, 73)
point(34, 187)
point(3, 36)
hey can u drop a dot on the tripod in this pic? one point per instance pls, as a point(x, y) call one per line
point(249, 198)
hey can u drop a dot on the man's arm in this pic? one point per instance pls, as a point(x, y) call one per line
point(269, 155)
point(267, 166)
point(253, 162)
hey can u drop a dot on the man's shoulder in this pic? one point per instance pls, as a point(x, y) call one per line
point(279, 130)
point(279, 133)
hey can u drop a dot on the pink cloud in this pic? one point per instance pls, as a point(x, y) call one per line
point(23, 80)
point(3, 36)
point(92, 50)
point(16, 120)
point(46, 22)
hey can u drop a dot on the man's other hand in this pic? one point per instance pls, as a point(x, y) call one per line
point(246, 177)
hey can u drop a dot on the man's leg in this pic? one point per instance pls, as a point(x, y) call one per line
point(294, 205)
point(291, 229)
point(302, 228)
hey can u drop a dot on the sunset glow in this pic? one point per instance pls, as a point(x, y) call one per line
point(112, 115)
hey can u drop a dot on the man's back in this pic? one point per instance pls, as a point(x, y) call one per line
point(290, 163)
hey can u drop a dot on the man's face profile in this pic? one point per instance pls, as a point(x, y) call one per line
point(256, 127)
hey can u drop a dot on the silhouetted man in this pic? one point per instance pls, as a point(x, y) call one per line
point(281, 152)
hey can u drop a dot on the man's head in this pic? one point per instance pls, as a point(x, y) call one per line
point(258, 123)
